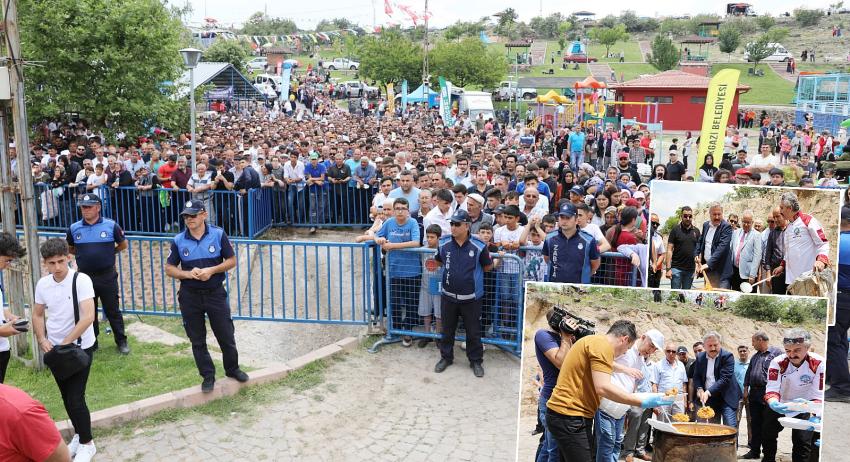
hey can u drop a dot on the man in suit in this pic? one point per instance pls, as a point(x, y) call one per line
point(714, 380)
point(746, 252)
point(712, 253)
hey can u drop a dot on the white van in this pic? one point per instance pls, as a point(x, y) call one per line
point(780, 54)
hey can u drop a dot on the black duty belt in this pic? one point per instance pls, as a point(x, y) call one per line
point(202, 291)
point(100, 272)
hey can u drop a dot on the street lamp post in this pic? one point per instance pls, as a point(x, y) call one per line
point(191, 56)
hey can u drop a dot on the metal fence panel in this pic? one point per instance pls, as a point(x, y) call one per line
point(616, 270)
point(411, 284)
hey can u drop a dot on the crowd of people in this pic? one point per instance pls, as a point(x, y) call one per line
point(589, 409)
point(735, 249)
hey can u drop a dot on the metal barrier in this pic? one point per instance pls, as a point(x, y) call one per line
point(616, 270)
point(412, 285)
point(332, 205)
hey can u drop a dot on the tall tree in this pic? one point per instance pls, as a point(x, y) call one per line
point(664, 54)
point(729, 39)
point(759, 49)
point(110, 60)
point(235, 52)
point(390, 57)
point(334, 24)
point(462, 29)
point(609, 36)
point(546, 27)
point(765, 22)
point(506, 22)
point(261, 24)
point(468, 62)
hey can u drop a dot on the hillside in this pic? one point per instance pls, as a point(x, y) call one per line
point(680, 323)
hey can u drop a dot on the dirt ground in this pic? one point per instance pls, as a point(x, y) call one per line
point(681, 323)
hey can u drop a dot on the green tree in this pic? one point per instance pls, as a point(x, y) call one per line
point(506, 22)
point(609, 36)
point(759, 49)
point(546, 27)
point(334, 24)
point(390, 57)
point(260, 24)
point(728, 40)
point(107, 59)
point(765, 22)
point(677, 27)
point(235, 52)
point(468, 62)
point(609, 21)
point(463, 29)
point(808, 18)
point(563, 29)
point(664, 54)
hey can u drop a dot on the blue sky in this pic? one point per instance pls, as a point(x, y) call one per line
point(445, 12)
point(669, 196)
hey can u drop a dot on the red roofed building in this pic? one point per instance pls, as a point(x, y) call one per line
point(680, 96)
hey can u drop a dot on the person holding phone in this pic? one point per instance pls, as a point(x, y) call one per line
point(10, 249)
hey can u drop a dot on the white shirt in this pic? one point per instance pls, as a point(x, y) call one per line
point(668, 376)
point(709, 372)
point(59, 307)
point(787, 382)
point(4, 341)
point(709, 241)
point(804, 240)
point(436, 217)
point(501, 235)
point(293, 173)
point(196, 181)
point(594, 231)
point(96, 180)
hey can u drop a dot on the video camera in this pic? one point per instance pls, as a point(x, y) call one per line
point(558, 322)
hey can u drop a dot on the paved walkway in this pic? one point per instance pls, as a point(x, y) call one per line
point(645, 49)
point(780, 68)
point(387, 406)
point(601, 72)
point(538, 53)
point(835, 445)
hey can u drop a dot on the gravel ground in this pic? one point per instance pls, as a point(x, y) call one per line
point(387, 406)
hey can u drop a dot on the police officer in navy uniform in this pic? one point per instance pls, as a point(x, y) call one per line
point(572, 254)
point(95, 241)
point(837, 373)
point(204, 255)
point(464, 259)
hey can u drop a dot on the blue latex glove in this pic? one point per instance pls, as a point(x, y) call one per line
point(657, 401)
point(778, 407)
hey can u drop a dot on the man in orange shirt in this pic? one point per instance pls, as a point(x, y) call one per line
point(164, 174)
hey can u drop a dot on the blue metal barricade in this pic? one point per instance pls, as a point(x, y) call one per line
point(412, 286)
point(616, 270)
point(334, 205)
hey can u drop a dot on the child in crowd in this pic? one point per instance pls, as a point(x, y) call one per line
point(485, 233)
point(828, 180)
point(532, 256)
point(550, 223)
point(429, 292)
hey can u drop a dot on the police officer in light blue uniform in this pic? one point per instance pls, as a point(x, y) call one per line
point(95, 241)
point(464, 259)
point(204, 255)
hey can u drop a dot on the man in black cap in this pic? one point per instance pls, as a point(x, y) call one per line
point(204, 254)
point(464, 259)
point(95, 241)
point(572, 254)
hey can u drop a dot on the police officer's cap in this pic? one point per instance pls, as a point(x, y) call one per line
point(567, 210)
point(88, 199)
point(460, 216)
point(193, 208)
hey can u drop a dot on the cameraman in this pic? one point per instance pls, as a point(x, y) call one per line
point(551, 346)
point(573, 404)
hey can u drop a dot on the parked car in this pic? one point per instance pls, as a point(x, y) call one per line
point(257, 64)
point(508, 90)
point(579, 58)
point(780, 54)
point(357, 89)
point(341, 63)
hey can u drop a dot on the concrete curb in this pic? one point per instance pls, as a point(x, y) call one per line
point(192, 396)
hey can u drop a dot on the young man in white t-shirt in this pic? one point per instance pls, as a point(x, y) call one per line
point(583, 222)
point(10, 249)
point(53, 295)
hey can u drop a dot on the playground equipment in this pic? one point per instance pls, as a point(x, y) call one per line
point(825, 98)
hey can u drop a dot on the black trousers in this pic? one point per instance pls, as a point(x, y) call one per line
point(4, 363)
point(756, 409)
point(471, 313)
point(106, 294)
point(778, 285)
point(194, 304)
point(802, 440)
point(837, 372)
point(574, 436)
point(73, 390)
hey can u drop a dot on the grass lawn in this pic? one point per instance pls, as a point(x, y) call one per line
point(769, 89)
point(149, 370)
point(632, 71)
point(630, 48)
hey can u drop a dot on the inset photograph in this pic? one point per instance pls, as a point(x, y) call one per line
point(743, 238)
point(636, 374)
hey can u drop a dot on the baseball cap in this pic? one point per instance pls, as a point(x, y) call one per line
point(477, 198)
point(623, 155)
point(577, 190)
point(682, 349)
point(460, 216)
point(776, 171)
point(743, 171)
point(88, 199)
point(639, 195)
point(611, 209)
point(314, 155)
point(567, 210)
point(656, 337)
point(193, 208)
point(500, 209)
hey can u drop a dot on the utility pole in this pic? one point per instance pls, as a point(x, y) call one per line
point(25, 275)
point(425, 60)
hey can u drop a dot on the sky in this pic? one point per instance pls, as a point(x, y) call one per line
point(445, 12)
point(669, 196)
